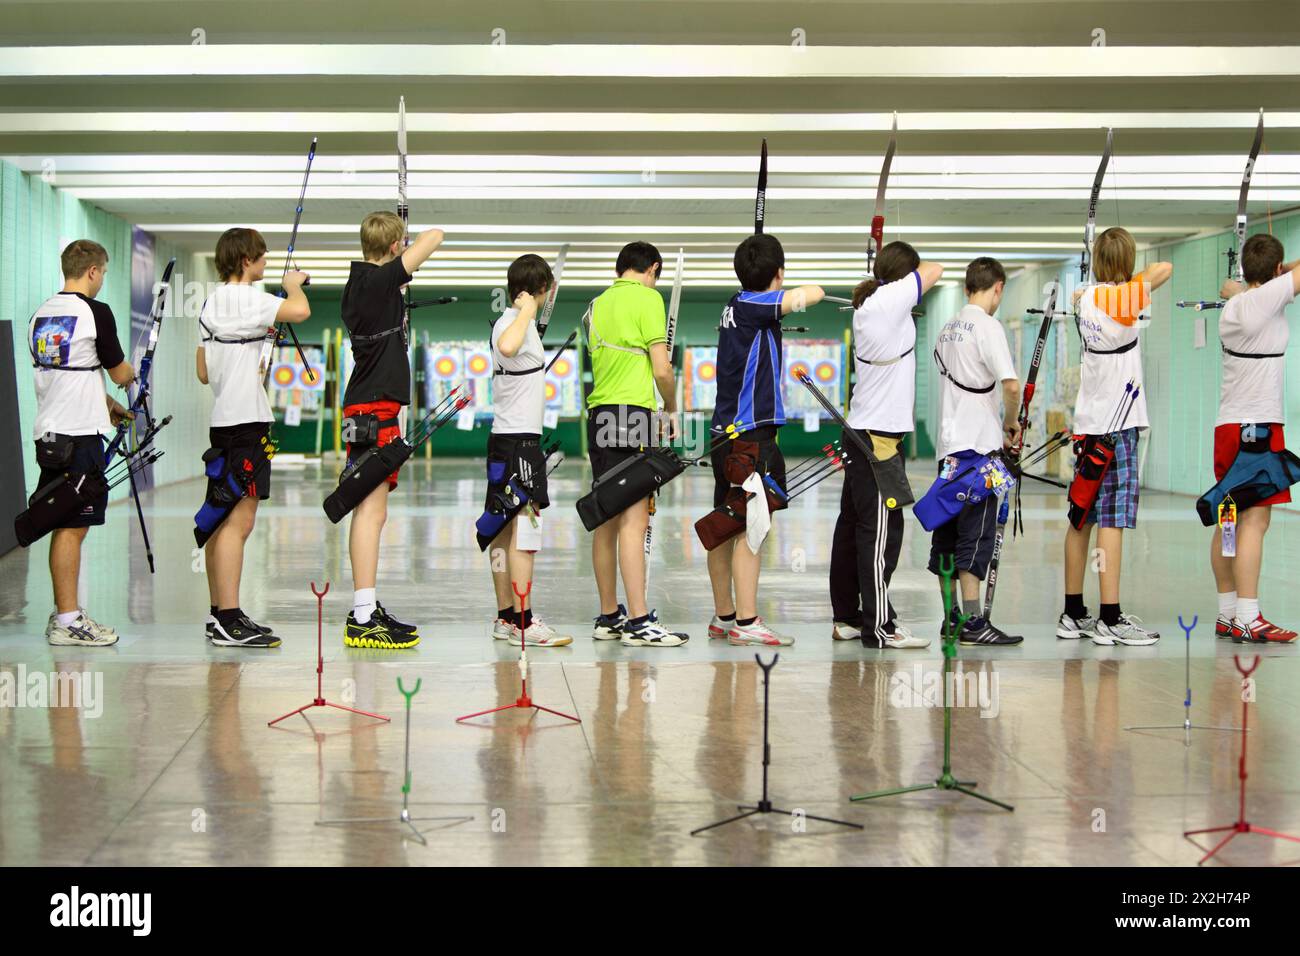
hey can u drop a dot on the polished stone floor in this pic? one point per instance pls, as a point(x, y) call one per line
point(173, 762)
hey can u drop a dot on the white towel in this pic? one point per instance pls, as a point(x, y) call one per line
point(757, 519)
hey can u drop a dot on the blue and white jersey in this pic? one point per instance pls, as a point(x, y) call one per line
point(750, 362)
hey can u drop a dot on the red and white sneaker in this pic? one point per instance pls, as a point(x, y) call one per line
point(1260, 631)
point(757, 633)
point(1225, 629)
point(718, 628)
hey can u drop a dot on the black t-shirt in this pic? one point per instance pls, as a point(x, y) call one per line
point(107, 346)
point(371, 305)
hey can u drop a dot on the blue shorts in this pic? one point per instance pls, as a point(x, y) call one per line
point(1117, 502)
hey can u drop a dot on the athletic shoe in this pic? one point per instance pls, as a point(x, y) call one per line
point(212, 621)
point(757, 632)
point(845, 632)
point(718, 628)
point(83, 631)
point(1072, 629)
point(376, 634)
point(501, 630)
point(904, 638)
point(1128, 631)
point(1224, 629)
point(1260, 631)
point(394, 625)
point(609, 627)
point(980, 631)
point(538, 634)
point(650, 633)
point(241, 632)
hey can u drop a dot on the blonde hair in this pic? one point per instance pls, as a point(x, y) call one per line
point(82, 255)
point(1114, 255)
point(379, 231)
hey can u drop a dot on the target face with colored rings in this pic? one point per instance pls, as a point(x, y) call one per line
point(562, 368)
point(798, 369)
point(826, 372)
point(444, 366)
point(551, 391)
point(478, 364)
point(706, 371)
point(284, 375)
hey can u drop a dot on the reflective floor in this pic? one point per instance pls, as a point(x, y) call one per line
point(169, 760)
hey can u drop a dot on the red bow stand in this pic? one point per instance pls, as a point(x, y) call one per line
point(320, 700)
point(1241, 825)
point(523, 701)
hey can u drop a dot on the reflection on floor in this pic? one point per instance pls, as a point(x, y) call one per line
point(170, 760)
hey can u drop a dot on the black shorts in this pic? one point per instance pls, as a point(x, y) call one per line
point(616, 433)
point(87, 459)
point(968, 537)
point(770, 460)
point(525, 461)
point(248, 438)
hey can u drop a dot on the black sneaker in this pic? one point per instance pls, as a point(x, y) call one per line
point(212, 622)
point(394, 625)
point(376, 634)
point(979, 630)
point(241, 633)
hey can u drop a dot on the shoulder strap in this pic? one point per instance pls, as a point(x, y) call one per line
point(210, 336)
point(884, 362)
point(596, 342)
point(376, 337)
point(943, 370)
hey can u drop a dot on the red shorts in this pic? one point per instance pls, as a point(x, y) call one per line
point(1227, 441)
point(385, 409)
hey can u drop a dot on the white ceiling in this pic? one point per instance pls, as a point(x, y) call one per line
point(596, 123)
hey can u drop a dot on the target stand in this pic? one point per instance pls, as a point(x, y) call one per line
point(1186, 726)
point(320, 700)
point(523, 701)
point(1241, 825)
point(404, 818)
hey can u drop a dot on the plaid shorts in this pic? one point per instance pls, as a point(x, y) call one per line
point(1117, 502)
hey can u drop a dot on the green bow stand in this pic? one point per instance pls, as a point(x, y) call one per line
point(946, 781)
point(404, 818)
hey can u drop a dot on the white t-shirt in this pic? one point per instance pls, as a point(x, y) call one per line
point(66, 331)
point(973, 348)
point(1254, 321)
point(518, 401)
point(884, 396)
point(237, 311)
point(1102, 378)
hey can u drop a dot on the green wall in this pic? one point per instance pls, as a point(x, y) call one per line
point(36, 221)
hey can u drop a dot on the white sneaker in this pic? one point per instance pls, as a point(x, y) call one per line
point(718, 627)
point(609, 627)
point(501, 630)
point(1128, 631)
point(83, 632)
point(1072, 629)
point(538, 634)
point(650, 633)
point(757, 633)
point(845, 632)
point(905, 638)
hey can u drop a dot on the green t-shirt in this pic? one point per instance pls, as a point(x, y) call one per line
point(626, 319)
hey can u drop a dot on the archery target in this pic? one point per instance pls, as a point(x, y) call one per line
point(313, 382)
point(444, 365)
point(826, 372)
point(478, 363)
point(284, 375)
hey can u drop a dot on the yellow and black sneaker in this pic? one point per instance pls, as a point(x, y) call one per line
point(376, 633)
point(394, 625)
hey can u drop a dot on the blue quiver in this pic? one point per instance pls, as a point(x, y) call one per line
point(506, 498)
point(1255, 475)
point(222, 496)
point(966, 478)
